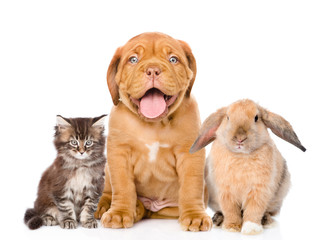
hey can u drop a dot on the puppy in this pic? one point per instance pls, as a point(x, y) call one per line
point(154, 121)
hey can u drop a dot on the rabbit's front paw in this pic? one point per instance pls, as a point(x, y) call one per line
point(232, 227)
point(250, 228)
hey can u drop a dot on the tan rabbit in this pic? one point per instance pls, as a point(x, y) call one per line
point(247, 177)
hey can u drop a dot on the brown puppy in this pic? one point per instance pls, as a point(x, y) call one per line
point(150, 172)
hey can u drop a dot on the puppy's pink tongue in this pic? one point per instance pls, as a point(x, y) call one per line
point(152, 104)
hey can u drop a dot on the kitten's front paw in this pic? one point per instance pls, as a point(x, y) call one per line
point(92, 223)
point(195, 222)
point(49, 221)
point(250, 228)
point(117, 219)
point(68, 224)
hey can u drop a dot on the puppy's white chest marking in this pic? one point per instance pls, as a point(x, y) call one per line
point(154, 149)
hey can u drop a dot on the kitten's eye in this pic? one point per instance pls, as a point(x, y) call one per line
point(74, 143)
point(256, 118)
point(89, 143)
point(173, 59)
point(133, 60)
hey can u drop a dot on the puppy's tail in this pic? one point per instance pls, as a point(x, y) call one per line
point(32, 219)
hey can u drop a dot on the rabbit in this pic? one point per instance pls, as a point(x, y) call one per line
point(247, 177)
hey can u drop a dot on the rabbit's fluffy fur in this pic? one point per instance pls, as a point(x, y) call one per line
point(247, 177)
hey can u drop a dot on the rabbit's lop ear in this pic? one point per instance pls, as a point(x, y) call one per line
point(280, 127)
point(208, 130)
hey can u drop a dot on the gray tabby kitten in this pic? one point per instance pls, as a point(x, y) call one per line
point(70, 188)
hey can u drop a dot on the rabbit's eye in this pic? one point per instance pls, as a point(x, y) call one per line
point(256, 118)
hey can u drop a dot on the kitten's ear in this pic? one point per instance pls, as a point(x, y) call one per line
point(99, 121)
point(63, 122)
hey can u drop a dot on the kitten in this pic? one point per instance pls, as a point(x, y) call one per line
point(70, 188)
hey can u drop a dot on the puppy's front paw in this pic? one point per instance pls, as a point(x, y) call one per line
point(196, 222)
point(92, 223)
point(117, 219)
point(68, 224)
point(250, 228)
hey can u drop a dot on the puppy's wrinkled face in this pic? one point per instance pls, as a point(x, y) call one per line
point(153, 75)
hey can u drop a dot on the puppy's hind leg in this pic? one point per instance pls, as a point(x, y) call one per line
point(141, 212)
point(165, 213)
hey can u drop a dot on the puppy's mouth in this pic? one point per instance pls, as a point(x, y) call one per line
point(154, 103)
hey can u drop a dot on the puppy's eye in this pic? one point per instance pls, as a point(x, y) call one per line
point(89, 143)
point(173, 59)
point(73, 143)
point(256, 118)
point(133, 60)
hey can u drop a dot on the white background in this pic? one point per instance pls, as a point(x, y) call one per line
point(53, 60)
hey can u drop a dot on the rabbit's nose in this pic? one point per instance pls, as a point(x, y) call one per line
point(241, 139)
point(240, 135)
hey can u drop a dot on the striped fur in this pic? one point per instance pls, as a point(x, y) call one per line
point(70, 188)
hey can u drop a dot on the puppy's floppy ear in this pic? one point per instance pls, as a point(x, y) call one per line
point(191, 64)
point(208, 130)
point(111, 74)
point(280, 127)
